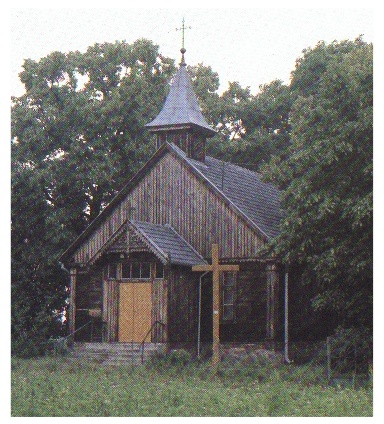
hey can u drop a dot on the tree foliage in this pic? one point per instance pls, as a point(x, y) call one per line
point(78, 135)
point(326, 178)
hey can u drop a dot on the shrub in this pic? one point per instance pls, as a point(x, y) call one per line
point(257, 366)
point(175, 358)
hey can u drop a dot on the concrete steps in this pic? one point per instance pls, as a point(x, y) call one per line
point(113, 353)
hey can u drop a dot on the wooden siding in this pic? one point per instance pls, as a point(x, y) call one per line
point(249, 323)
point(89, 289)
point(171, 193)
point(110, 309)
point(88, 295)
point(182, 305)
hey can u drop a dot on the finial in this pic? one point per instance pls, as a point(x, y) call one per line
point(182, 50)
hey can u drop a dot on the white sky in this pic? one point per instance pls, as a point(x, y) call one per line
point(252, 46)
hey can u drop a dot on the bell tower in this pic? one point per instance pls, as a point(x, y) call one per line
point(180, 121)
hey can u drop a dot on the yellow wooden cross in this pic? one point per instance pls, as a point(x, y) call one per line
point(216, 268)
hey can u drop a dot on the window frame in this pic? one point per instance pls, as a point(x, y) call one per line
point(163, 273)
point(116, 265)
point(140, 277)
point(232, 287)
point(130, 270)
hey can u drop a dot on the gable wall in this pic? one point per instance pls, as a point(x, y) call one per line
point(171, 194)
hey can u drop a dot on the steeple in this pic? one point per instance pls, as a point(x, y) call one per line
point(180, 121)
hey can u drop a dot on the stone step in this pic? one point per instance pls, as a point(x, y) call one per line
point(115, 347)
point(112, 353)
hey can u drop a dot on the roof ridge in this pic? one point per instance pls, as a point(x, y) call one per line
point(237, 166)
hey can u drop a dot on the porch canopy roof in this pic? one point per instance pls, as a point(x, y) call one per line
point(162, 240)
point(167, 244)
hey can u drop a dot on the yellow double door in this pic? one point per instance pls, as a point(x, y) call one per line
point(135, 311)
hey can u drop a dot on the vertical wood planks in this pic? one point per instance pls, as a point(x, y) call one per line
point(170, 193)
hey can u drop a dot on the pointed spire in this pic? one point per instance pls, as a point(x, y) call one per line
point(181, 107)
point(180, 121)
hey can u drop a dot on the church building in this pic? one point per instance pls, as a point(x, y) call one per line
point(133, 270)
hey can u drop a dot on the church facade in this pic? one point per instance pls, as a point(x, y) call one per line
point(131, 269)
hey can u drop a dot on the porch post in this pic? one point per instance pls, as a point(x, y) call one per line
point(272, 300)
point(72, 303)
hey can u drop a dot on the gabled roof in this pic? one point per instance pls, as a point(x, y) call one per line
point(255, 201)
point(168, 242)
point(162, 240)
point(258, 200)
point(181, 106)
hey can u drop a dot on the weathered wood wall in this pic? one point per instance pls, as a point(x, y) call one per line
point(171, 194)
point(249, 324)
point(182, 305)
point(111, 309)
point(89, 295)
point(159, 310)
point(250, 316)
point(175, 303)
point(89, 289)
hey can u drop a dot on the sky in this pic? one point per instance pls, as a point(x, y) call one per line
point(250, 45)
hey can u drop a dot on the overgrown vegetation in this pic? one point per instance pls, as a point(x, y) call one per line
point(74, 146)
point(58, 387)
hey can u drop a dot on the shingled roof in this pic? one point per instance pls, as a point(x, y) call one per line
point(181, 106)
point(169, 243)
point(258, 200)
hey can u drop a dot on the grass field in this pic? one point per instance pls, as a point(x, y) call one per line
point(57, 387)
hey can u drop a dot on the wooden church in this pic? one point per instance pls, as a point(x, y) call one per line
point(135, 270)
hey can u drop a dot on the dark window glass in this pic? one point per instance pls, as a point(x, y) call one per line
point(126, 270)
point(112, 271)
point(135, 270)
point(229, 279)
point(145, 270)
point(159, 270)
point(228, 295)
point(227, 312)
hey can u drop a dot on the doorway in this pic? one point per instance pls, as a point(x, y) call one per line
point(135, 311)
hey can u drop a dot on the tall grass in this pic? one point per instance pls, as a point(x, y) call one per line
point(58, 387)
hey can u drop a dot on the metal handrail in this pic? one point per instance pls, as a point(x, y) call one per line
point(62, 340)
point(148, 333)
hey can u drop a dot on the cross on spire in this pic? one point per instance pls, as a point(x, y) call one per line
point(182, 50)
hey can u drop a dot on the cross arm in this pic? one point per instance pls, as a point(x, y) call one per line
point(229, 268)
point(202, 268)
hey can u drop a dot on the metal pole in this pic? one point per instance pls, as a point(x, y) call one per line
point(199, 314)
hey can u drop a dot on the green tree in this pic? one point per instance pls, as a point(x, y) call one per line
point(77, 137)
point(326, 177)
point(252, 127)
